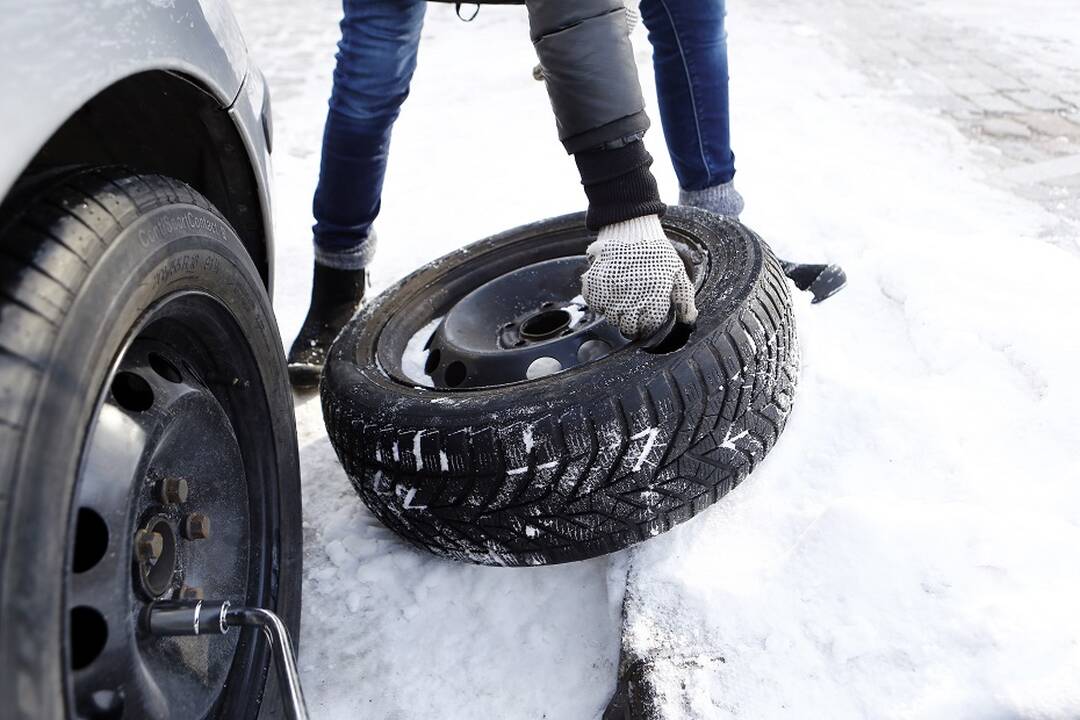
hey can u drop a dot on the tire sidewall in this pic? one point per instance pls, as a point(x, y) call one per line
point(172, 248)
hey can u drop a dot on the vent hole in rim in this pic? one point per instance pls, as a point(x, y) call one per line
point(91, 540)
point(132, 392)
point(164, 368)
point(542, 367)
point(456, 372)
point(89, 632)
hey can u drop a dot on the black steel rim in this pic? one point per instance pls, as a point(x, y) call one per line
point(175, 500)
point(511, 316)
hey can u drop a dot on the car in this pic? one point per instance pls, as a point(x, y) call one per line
point(149, 472)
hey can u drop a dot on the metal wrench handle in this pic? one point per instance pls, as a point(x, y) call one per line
point(292, 695)
point(198, 617)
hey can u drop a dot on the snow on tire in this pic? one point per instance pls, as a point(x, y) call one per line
point(583, 462)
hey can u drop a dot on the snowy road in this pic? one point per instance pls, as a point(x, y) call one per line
point(909, 548)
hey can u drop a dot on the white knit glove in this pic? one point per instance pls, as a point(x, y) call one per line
point(636, 276)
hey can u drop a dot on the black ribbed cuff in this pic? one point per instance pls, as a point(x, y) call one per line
point(619, 184)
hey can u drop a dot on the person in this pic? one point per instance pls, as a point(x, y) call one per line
point(635, 277)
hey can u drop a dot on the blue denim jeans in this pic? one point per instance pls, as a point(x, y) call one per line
point(375, 63)
point(691, 66)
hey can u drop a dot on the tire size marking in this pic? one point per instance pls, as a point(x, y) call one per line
point(182, 265)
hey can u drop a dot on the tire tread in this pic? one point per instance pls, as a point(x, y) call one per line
point(719, 407)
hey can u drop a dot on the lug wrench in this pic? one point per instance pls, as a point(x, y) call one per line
point(202, 617)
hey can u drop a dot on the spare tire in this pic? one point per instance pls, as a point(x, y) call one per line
point(575, 464)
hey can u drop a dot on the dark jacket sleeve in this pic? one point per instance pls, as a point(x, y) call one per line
point(588, 63)
point(592, 80)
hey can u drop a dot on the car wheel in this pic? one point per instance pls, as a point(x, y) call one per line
point(540, 435)
point(147, 452)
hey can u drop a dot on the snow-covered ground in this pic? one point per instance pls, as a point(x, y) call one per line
point(909, 549)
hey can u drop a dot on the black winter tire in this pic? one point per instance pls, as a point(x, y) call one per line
point(87, 261)
point(587, 461)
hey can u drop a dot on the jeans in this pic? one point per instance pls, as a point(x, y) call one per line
point(375, 63)
point(690, 62)
point(376, 59)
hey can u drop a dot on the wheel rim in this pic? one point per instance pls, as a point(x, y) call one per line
point(511, 319)
point(171, 503)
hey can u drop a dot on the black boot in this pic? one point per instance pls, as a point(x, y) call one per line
point(336, 295)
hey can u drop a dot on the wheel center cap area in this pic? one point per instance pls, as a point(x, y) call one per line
point(522, 325)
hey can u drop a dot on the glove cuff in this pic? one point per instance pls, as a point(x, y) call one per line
point(646, 227)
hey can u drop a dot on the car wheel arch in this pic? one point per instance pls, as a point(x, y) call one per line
point(168, 123)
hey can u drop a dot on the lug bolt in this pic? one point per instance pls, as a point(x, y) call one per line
point(173, 491)
point(197, 526)
point(191, 593)
point(148, 545)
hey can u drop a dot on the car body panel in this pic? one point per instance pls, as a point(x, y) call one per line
point(57, 55)
point(251, 113)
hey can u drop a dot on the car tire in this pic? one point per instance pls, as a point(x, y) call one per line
point(88, 259)
point(586, 461)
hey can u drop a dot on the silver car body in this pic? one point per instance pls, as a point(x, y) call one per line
point(57, 55)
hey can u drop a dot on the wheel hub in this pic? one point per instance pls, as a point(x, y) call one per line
point(162, 457)
point(156, 557)
point(522, 325)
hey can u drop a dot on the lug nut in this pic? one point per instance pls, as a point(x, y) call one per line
point(148, 545)
point(191, 593)
point(197, 526)
point(173, 491)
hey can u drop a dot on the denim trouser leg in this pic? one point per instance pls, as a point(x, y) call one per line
point(375, 63)
point(690, 61)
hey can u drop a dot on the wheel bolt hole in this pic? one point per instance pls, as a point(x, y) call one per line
point(432, 363)
point(91, 540)
point(89, 632)
point(132, 392)
point(164, 368)
point(456, 372)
